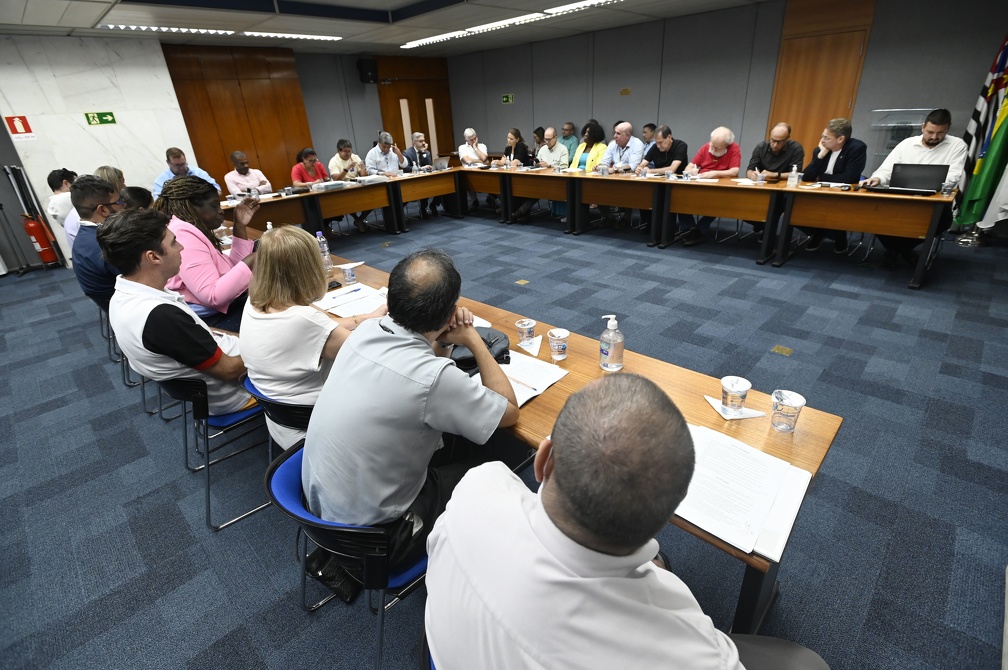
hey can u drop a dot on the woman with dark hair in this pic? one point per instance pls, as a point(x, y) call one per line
point(538, 140)
point(137, 197)
point(308, 170)
point(592, 147)
point(212, 283)
point(516, 153)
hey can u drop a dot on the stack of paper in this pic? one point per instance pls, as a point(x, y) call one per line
point(529, 376)
point(352, 300)
point(747, 498)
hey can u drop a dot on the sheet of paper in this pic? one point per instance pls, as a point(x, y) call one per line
point(779, 522)
point(747, 413)
point(705, 180)
point(352, 300)
point(744, 181)
point(733, 488)
point(529, 376)
point(480, 322)
point(533, 347)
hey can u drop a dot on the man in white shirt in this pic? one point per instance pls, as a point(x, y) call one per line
point(624, 153)
point(473, 152)
point(344, 166)
point(565, 578)
point(385, 157)
point(59, 204)
point(933, 147)
point(242, 178)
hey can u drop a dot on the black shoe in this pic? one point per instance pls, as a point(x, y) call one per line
point(424, 215)
point(693, 238)
point(840, 251)
point(474, 205)
point(336, 578)
point(814, 242)
point(433, 211)
point(522, 218)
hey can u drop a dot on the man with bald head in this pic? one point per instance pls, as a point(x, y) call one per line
point(772, 159)
point(375, 455)
point(565, 578)
point(623, 153)
point(243, 178)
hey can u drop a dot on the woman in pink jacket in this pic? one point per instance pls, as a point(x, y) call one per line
point(214, 284)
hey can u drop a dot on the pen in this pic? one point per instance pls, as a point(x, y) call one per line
point(518, 381)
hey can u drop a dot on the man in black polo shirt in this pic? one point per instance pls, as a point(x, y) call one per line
point(667, 155)
point(773, 158)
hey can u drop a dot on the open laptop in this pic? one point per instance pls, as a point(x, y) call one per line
point(441, 163)
point(914, 179)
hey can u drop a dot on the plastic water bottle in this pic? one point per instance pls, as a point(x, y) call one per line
point(611, 346)
point(792, 178)
point(324, 250)
point(416, 168)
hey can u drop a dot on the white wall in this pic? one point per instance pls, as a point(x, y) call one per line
point(53, 81)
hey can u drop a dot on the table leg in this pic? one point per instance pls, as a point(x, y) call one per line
point(573, 196)
point(659, 213)
point(312, 215)
point(767, 250)
point(393, 214)
point(918, 275)
point(784, 238)
point(755, 597)
point(453, 202)
point(505, 197)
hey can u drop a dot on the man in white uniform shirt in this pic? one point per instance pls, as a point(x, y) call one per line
point(473, 152)
point(932, 147)
point(385, 157)
point(565, 578)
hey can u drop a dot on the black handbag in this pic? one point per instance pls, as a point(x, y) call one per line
point(496, 341)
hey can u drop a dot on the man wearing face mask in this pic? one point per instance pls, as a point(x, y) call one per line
point(565, 578)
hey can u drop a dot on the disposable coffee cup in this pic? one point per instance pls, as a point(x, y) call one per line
point(558, 343)
point(787, 405)
point(349, 276)
point(526, 331)
point(733, 394)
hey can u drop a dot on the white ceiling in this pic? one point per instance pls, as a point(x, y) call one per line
point(87, 18)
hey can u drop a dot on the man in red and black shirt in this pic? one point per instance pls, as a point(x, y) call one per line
point(155, 328)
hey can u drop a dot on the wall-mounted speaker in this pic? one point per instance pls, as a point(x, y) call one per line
point(368, 68)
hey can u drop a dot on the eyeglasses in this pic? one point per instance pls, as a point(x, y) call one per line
point(119, 202)
point(773, 141)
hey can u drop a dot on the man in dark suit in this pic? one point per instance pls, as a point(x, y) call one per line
point(419, 155)
point(838, 158)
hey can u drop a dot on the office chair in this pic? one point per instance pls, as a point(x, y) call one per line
point(192, 393)
point(285, 414)
point(361, 550)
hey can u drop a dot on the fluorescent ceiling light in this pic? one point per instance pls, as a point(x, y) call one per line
point(578, 6)
point(293, 36)
point(497, 25)
point(163, 29)
point(433, 40)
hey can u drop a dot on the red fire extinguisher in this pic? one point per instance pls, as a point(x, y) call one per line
point(37, 233)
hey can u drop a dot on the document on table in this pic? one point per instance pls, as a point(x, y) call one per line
point(736, 493)
point(529, 376)
point(352, 300)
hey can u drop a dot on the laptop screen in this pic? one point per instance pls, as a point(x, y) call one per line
point(916, 175)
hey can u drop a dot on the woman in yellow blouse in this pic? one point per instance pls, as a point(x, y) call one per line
point(592, 148)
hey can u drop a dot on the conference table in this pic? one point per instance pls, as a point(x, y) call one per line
point(805, 448)
point(912, 216)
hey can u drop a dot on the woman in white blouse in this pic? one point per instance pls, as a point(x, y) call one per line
point(287, 343)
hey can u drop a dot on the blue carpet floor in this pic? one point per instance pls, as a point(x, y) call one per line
point(897, 560)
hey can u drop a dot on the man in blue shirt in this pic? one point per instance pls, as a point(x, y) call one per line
point(95, 200)
point(179, 167)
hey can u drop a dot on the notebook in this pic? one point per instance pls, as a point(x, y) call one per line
point(914, 179)
point(441, 163)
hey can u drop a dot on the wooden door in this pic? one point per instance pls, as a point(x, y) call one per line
point(817, 80)
point(418, 105)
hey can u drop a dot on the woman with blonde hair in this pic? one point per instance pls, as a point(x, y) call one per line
point(213, 283)
point(288, 344)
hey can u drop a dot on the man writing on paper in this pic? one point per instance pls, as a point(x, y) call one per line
point(933, 147)
point(375, 455)
point(721, 157)
point(565, 578)
point(666, 154)
point(772, 159)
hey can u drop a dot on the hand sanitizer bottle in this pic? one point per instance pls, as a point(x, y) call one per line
point(792, 178)
point(611, 346)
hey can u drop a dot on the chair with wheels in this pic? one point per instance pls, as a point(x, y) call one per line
point(361, 550)
point(192, 393)
point(284, 414)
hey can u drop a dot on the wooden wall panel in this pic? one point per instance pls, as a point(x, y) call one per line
point(810, 17)
point(415, 80)
point(240, 99)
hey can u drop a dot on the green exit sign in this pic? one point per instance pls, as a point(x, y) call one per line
point(507, 99)
point(99, 118)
